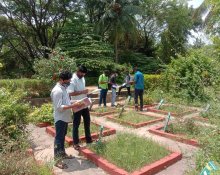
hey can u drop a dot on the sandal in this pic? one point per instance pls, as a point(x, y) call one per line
point(76, 147)
point(60, 164)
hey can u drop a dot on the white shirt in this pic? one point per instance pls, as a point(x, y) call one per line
point(60, 98)
point(77, 84)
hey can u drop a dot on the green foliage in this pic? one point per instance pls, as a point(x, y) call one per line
point(189, 76)
point(50, 68)
point(32, 87)
point(152, 81)
point(19, 163)
point(144, 63)
point(13, 116)
point(130, 152)
point(42, 114)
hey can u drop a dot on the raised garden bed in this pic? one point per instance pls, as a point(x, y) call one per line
point(180, 133)
point(175, 111)
point(129, 154)
point(43, 124)
point(102, 111)
point(135, 119)
point(94, 132)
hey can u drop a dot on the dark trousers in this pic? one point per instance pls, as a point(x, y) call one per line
point(61, 131)
point(76, 122)
point(139, 93)
point(128, 89)
point(103, 94)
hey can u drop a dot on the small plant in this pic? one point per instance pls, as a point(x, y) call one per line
point(129, 151)
point(42, 114)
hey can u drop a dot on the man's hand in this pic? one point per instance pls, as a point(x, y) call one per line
point(85, 91)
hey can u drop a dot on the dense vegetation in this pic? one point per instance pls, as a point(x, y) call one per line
point(40, 38)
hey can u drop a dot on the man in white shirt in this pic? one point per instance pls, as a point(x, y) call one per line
point(78, 91)
point(62, 116)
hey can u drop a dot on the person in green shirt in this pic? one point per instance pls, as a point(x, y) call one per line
point(103, 85)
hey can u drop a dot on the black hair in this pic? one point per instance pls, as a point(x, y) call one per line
point(65, 75)
point(82, 69)
point(106, 72)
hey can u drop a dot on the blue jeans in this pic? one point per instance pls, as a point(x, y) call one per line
point(61, 131)
point(113, 96)
point(103, 95)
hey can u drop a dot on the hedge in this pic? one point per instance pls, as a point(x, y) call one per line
point(33, 87)
point(151, 81)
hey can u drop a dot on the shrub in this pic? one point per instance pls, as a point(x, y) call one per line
point(49, 69)
point(42, 114)
point(151, 81)
point(33, 87)
point(189, 76)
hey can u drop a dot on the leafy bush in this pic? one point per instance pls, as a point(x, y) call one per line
point(151, 81)
point(50, 68)
point(33, 87)
point(42, 114)
point(189, 76)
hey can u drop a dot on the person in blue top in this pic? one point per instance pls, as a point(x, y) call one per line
point(139, 88)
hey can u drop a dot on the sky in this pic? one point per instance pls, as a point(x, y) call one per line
point(195, 3)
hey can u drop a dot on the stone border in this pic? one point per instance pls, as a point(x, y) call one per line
point(137, 125)
point(151, 109)
point(43, 124)
point(101, 114)
point(157, 130)
point(110, 131)
point(150, 169)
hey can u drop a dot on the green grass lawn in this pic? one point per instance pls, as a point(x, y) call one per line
point(93, 128)
point(130, 152)
point(175, 109)
point(187, 128)
point(103, 109)
point(134, 117)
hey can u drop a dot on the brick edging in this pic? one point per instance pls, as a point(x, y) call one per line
point(138, 125)
point(110, 131)
point(157, 130)
point(100, 114)
point(150, 169)
point(202, 119)
point(43, 124)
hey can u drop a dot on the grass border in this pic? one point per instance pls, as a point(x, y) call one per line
point(190, 111)
point(149, 169)
point(110, 131)
point(137, 125)
point(157, 130)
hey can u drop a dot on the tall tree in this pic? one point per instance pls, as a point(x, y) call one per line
point(43, 20)
point(119, 23)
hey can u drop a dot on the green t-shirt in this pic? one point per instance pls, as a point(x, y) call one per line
point(103, 78)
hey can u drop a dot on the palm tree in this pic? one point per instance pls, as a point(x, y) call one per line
point(118, 22)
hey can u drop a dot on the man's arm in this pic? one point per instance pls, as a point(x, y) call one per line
point(72, 92)
point(57, 102)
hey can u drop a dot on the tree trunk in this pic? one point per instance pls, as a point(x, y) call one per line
point(116, 48)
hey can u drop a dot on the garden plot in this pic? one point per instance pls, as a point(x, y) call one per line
point(135, 119)
point(94, 128)
point(184, 131)
point(176, 111)
point(102, 111)
point(129, 154)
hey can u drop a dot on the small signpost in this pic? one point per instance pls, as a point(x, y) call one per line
point(167, 122)
point(160, 104)
point(207, 108)
point(123, 107)
point(100, 135)
point(211, 169)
